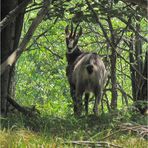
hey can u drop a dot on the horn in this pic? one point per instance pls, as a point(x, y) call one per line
point(75, 30)
point(66, 30)
point(71, 29)
point(80, 32)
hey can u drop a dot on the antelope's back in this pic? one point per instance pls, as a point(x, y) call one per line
point(80, 73)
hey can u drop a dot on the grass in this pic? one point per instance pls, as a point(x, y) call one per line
point(52, 131)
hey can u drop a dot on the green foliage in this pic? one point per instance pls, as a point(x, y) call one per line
point(40, 71)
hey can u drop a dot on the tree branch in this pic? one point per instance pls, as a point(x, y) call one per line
point(12, 14)
point(16, 54)
point(42, 34)
point(132, 28)
point(141, 3)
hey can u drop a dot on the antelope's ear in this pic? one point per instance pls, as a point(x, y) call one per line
point(80, 32)
point(66, 30)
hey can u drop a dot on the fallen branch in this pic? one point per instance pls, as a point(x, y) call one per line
point(93, 143)
point(28, 111)
point(142, 130)
point(110, 135)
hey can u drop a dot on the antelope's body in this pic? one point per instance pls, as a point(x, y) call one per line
point(86, 73)
point(89, 73)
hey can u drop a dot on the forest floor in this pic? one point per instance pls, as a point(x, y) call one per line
point(122, 128)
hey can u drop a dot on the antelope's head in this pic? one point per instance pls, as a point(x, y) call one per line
point(72, 37)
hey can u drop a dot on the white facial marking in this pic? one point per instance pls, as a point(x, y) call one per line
point(70, 45)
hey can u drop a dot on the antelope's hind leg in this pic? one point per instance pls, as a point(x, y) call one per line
point(86, 103)
point(97, 101)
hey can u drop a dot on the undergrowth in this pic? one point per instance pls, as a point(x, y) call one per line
point(54, 131)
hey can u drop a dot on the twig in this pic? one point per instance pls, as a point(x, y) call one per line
point(140, 129)
point(39, 7)
point(42, 34)
point(132, 28)
point(108, 136)
point(52, 52)
point(141, 3)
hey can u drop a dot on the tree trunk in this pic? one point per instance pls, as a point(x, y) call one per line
point(113, 80)
point(139, 82)
point(142, 92)
point(132, 71)
point(10, 39)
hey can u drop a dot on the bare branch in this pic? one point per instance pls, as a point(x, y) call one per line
point(42, 34)
point(51, 51)
point(98, 21)
point(132, 28)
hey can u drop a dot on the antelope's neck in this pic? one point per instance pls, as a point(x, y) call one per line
point(72, 56)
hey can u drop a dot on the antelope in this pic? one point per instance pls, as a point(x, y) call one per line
point(86, 72)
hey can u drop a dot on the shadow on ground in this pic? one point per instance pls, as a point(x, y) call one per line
point(60, 127)
point(67, 127)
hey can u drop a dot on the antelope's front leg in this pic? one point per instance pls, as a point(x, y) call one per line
point(79, 105)
point(79, 94)
point(73, 95)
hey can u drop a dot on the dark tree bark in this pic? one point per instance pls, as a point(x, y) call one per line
point(10, 36)
point(113, 80)
point(9, 58)
point(132, 71)
point(113, 59)
point(139, 81)
point(142, 92)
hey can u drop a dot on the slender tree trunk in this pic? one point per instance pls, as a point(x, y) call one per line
point(113, 42)
point(113, 80)
point(132, 71)
point(135, 57)
point(142, 92)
